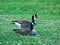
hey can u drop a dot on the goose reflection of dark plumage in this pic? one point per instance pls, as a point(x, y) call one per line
point(27, 27)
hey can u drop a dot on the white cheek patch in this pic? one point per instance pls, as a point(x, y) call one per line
point(34, 17)
point(18, 24)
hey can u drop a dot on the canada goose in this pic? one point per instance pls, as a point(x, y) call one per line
point(26, 26)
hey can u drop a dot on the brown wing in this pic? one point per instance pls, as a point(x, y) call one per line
point(25, 24)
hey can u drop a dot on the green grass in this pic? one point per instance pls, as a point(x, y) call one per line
point(48, 24)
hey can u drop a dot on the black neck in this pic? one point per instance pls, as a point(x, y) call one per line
point(33, 21)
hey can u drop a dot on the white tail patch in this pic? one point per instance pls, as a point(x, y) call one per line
point(18, 24)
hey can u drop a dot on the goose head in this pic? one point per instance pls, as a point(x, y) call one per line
point(33, 19)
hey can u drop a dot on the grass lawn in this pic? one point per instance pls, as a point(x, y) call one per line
point(48, 22)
